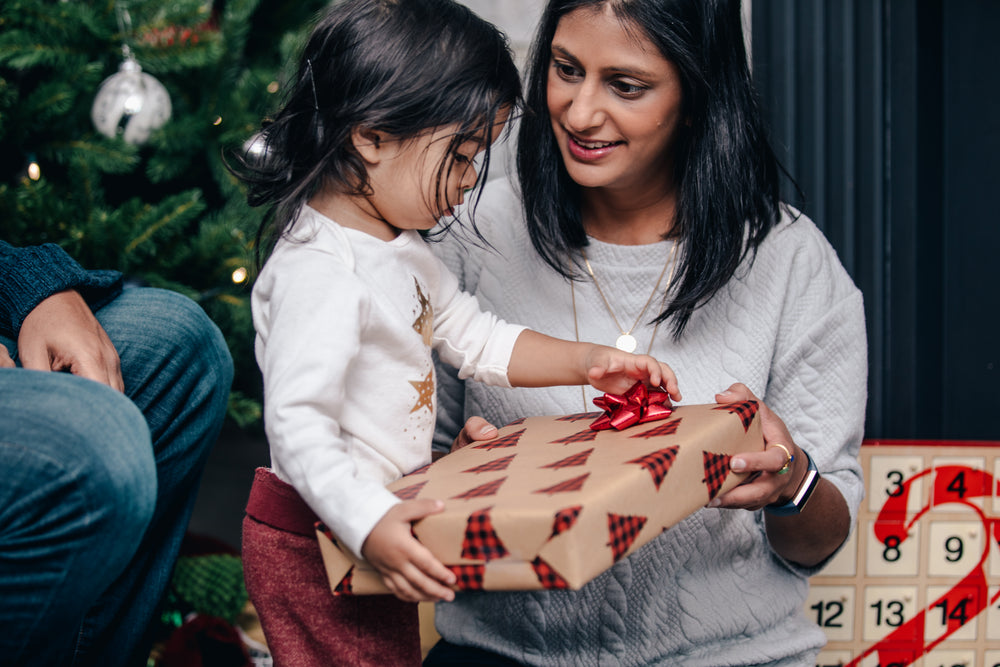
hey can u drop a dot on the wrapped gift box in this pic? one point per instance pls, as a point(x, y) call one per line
point(552, 503)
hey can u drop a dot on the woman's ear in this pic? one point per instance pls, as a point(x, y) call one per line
point(368, 143)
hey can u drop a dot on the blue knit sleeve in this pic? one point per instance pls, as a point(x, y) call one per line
point(29, 275)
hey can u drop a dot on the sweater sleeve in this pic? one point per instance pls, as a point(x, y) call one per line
point(818, 379)
point(31, 274)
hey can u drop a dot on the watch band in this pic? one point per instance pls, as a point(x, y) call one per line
point(801, 497)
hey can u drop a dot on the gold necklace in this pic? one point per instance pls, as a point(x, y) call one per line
point(576, 324)
point(626, 342)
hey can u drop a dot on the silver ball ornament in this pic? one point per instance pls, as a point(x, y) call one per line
point(130, 104)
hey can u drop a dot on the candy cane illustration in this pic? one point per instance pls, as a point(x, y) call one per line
point(899, 648)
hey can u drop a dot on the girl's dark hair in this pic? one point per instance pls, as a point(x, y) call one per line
point(401, 67)
point(725, 170)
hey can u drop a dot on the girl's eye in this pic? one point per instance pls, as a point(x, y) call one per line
point(464, 159)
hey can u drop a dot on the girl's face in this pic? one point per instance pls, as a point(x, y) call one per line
point(615, 104)
point(411, 191)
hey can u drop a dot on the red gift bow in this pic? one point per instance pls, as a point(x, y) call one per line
point(638, 405)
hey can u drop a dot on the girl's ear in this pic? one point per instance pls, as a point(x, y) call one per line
point(368, 143)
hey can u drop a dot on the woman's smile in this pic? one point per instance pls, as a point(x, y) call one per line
point(582, 149)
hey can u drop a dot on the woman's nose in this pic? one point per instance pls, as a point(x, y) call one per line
point(585, 111)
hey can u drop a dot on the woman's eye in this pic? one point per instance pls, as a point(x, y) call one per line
point(626, 89)
point(565, 70)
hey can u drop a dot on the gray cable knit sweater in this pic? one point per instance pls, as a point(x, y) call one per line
point(709, 591)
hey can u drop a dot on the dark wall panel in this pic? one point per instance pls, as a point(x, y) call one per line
point(884, 112)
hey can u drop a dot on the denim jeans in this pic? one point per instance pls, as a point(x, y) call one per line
point(98, 486)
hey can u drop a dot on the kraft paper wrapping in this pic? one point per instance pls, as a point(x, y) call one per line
point(551, 503)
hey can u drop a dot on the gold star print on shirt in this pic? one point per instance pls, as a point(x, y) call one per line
point(425, 392)
point(424, 325)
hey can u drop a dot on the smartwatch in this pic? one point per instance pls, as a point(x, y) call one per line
point(801, 497)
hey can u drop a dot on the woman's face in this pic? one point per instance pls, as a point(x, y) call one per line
point(615, 104)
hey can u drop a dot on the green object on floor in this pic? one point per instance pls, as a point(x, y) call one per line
point(210, 584)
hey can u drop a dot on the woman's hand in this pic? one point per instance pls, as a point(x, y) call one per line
point(62, 334)
point(766, 484)
point(476, 429)
point(408, 568)
point(807, 538)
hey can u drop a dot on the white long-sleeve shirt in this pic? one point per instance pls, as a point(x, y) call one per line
point(345, 325)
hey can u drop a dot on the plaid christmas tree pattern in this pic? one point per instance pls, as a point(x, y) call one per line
point(564, 520)
point(623, 531)
point(483, 490)
point(716, 471)
point(509, 440)
point(571, 461)
point(547, 576)
point(581, 436)
point(658, 463)
point(580, 416)
point(495, 465)
point(566, 486)
point(746, 410)
point(481, 541)
point(410, 492)
point(344, 586)
point(468, 577)
point(661, 430)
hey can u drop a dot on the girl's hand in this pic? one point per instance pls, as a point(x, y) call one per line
point(614, 372)
point(766, 485)
point(408, 568)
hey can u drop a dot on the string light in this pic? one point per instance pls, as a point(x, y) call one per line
point(239, 275)
point(272, 87)
point(217, 121)
point(34, 170)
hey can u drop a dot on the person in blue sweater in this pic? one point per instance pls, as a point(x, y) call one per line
point(111, 398)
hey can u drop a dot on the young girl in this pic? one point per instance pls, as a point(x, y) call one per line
point(393, 102)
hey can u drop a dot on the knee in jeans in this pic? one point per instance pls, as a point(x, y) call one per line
point(194, 335)
point(114, 463)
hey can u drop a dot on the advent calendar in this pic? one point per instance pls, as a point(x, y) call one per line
point(919, 581)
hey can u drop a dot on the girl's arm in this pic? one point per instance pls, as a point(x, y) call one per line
point(540, 361)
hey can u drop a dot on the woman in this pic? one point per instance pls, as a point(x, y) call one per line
point(649, 196)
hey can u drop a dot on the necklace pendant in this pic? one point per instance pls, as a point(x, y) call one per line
point(626, 343)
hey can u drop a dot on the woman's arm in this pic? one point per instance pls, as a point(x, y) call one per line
point(807, 538)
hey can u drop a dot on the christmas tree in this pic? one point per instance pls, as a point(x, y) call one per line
point(131, 174)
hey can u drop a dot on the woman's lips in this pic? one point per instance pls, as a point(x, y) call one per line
point(590, 150)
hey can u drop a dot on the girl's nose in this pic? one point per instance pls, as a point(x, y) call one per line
point(585, 111)
point(469, 178)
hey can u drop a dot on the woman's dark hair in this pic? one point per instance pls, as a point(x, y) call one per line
point(401, 67)
point(725, 170)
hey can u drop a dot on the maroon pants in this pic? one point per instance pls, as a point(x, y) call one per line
point(304, 623)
